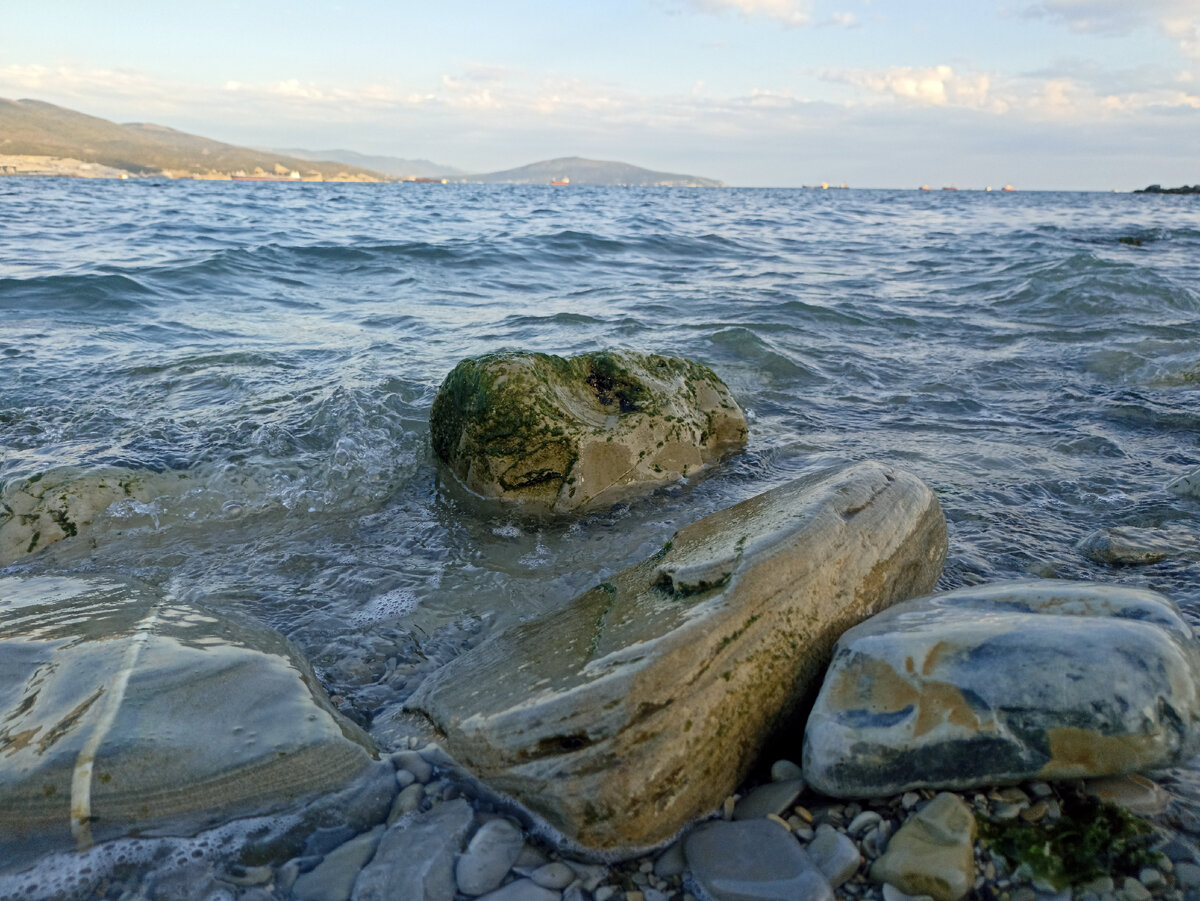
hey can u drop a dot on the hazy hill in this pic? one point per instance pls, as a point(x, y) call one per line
point(592, 172)
point(36, 128)
point(388, 165)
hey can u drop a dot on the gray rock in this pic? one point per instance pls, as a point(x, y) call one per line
point(65, 502)
point(1004, 683)
point(333, 878)
point(1131, 546)
point(1187, 875)
point(835, 855)
point(680, 666)
point(752, 860)
point(580, 432)
point(774, 797)
point(785, 771)
point(408, 800)
point(891, 893)
point(670, 862)
point(414, 763)
point(415, 857)
point(1132, 791)
point(124, 713)
point(556, 875)
point(1186, 485)
point(491, 853)
point(522, 890)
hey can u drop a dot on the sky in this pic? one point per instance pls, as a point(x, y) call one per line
point(1040, 94)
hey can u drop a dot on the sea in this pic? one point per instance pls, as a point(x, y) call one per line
point(1033, 356)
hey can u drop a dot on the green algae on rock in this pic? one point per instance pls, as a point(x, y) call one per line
point(643, 703)
point(584, 431)
point(124, 713)
point(62, 503)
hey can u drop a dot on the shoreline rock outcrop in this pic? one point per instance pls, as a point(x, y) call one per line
point(993, 685)
point(582, 432)
point(124, 713)
point(641, 704)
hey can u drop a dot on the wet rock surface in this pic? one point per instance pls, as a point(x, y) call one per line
point(1131, 546)
point(582, 432)
point(642, 703)
point(124, 713)
point(63, 503)
point(1027, 680)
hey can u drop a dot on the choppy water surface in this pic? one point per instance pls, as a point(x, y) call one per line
point(282, 345)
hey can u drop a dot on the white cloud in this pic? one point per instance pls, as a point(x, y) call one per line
point(1178, 19)
point(927, 86)
point(789, 12)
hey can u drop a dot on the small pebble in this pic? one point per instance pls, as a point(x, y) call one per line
point(405, 778)
point(864, 821)
point(1133, 890)
point(783, 770)
point(728, 806)
point(803, 813)
point(891, 893)
point(1036, 812)
point(1187, 875)
point(555, 875)
point(1041, 789)
point(1150, 877)
point(406, 802)
point(605, 892)
point(909, 800)
point(670, 862)
point(414, 763)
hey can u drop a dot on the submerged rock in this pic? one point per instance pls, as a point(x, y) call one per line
point(1186, 485)
point(642, 703)
point(63, 503)
point(1003, 683)
point(123, 713)
point(581, 432)
point(1131, 546)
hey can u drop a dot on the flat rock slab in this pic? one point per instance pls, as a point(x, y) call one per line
point(63, 503)
point(752, 860)
point(642, 704)
point(123, 713)
point(1005, 683)
point(582, 432)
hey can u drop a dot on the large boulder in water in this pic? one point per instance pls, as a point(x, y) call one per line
point(1005, 683)
point(63, 503)
point(580, 432)
point(123, 713)
point(642, 703)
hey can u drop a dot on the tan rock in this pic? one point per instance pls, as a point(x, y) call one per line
point(583, 432)
point(642, 703)
point(63, 503)
point(1004, 683)
point(933, 853)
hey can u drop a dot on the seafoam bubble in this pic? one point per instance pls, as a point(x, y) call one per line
point(75, 875)
point(394, 603)
point(508, 530)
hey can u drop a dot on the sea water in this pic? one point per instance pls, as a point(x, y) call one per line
point(1034, 357)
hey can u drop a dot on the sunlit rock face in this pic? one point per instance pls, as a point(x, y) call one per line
point(583, 432)
point(642, 703)
point(123, 713)
point(1003, 683)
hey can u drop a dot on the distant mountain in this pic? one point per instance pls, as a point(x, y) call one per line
point(579, 171)
point(388, 165)
point(36, 128)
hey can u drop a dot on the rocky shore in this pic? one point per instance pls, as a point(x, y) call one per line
point(988, 742)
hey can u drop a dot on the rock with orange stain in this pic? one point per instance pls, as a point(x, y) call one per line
point(1003, 683)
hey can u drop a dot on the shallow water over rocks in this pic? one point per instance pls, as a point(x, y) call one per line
point(280, 346)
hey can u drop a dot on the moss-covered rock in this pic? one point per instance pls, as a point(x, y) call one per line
point(581, 432)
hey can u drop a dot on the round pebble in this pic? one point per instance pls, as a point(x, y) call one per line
point(555, 875)
point(784, 770)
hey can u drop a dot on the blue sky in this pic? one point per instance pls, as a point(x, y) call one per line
point(1076, 94)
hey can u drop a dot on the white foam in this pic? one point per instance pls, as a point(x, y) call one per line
point(508, 530)
point(73, 875)
point(394, 603)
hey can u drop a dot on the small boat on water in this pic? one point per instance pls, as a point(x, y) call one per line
point(560, 182)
